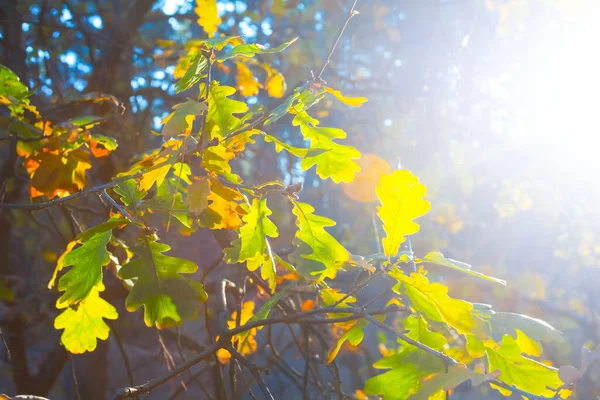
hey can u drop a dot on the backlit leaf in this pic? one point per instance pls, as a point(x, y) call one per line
point(438, 258)
point(208, 17)
point(353, 335)
point(407, 368)
point(167, 296)
point(182, 117)
point(253, 246)
point(336, 161)
point(221, 109)
point(197, 198)
point(86, 264)
point(297, 151)
point(246, 82)
point(432, 300)
point(224, 206)
point(503, 323)
point(322, 247)
point(456, 375)
point(244, 342)
point(194, 66)
point(349, 101)
point(401, 197)
point(250, 50)
point(130, 194)
point(522, 372)
point(275, 83)
point(83, 324)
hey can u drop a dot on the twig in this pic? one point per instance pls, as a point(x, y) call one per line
point(116, 205)
point(117, 337)
point(74, 376)
point(351, 14)
point(150, 385)
point(84, 193)
point(254, 370)
point(224, 341)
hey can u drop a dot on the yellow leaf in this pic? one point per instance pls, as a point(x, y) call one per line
point(246, 83)
point(60, 262)
point(275, 83)
point(223, 355)
point(197, 198)
point(245, 342)
point(349, 101)
point(208, 17)
point(522, 372)
point(224, 204)
point(432, 300)
point(84, 325)
point(528, 345)
point(157, 176)
point(401, 197)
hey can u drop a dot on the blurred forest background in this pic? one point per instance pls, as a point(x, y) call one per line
point(491, 103)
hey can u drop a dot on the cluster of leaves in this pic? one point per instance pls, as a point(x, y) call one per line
point(190, 180)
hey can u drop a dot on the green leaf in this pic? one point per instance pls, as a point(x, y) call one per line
point(130, 195)
point(522, 372)
point(250, 50)
point(503, 323)
point(197, 198)
point(401, 197)
point(86, 272)
point(169, 201)
point(221, 109)
point(14, 94)
point(297, 151)
point(166, 295)
point(353, 335)
point(432, 300)
point(320, 246)
point(182, 172)
point(284, 263)
point(252, 246)
point(418, 329)
point(194, 73)
point(83, 324)
point(182, 118)
point(335, 161)
point(456, 375)
point(408, 367)
point(109, 225)
point(438, 258)
point(396, 384)
point(281, 110)
point(109, 143)
point(265, 309)
point(217, 43)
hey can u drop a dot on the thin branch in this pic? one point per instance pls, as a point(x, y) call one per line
point(116, 205)
point(117, 337)
point(254, 370)
point(84, 193)
point(351, 14)
point(152, 384)
point(224, 341)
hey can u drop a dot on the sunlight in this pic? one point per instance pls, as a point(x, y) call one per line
point(567, 102)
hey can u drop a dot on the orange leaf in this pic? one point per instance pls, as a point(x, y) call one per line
point(362, 188)
point(308, 305)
